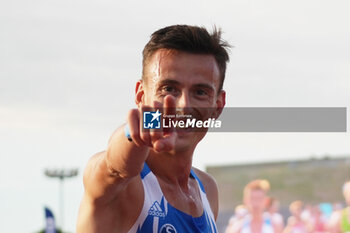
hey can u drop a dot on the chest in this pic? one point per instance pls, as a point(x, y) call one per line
point(188, 201)
point(256, 227)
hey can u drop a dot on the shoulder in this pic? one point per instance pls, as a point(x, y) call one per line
point(211, 189)
point(207, 180)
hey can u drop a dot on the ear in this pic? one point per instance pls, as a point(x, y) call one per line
point(139, 93)
point(220, 103)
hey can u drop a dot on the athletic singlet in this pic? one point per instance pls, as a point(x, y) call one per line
point(158, 216)
point(345, 224)
point(299, 228)
point(266, 227)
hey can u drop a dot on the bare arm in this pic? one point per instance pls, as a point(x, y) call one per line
point(112, 176)
point(110, 172)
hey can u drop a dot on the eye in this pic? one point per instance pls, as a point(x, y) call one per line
point(169, 89)
point(201, 92)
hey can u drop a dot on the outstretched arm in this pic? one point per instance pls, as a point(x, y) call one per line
point(109, 172)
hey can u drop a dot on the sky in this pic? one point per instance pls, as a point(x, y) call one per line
point(68, 71)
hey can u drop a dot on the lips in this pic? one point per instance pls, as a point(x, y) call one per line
point(185, 120)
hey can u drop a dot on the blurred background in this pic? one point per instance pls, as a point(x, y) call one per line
point(67, 76)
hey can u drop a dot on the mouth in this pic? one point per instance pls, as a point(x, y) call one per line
point(184, 130)
point(185, 121)
point(186, 126)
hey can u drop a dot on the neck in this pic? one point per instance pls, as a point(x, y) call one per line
point(256, 215)
point(171, 167)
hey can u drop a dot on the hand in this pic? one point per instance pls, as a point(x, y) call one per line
point(158, 140)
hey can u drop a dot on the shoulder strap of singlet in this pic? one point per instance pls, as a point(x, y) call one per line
point(145, 170)
point(206, 205)
point(198, 180)
point(205, 201)
point(153, 196)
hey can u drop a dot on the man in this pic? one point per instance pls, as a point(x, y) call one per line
point(340, 220)
point(254, 198)
point(145, 182)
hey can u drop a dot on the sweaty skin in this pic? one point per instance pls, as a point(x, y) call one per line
point(114, 194)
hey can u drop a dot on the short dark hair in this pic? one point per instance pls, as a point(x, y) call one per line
point(190, 39)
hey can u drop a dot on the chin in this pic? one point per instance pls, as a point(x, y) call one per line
point(186, 141)
point(191, 133)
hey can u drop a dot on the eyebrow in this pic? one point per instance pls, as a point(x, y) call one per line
point(175, 82)
point(169, 81)
point(204, 85)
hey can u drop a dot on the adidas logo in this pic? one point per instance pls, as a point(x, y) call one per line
point(156, 210)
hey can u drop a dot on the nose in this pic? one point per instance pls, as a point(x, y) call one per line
point(183, 100)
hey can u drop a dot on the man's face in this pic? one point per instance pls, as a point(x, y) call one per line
point(256, 200)
point(192, 79)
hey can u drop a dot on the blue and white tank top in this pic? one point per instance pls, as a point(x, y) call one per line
point(267, 226)
point(158, 216)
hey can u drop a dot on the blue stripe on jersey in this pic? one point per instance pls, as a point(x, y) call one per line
point(161, 217)
point(145, 170)
point(199, 181)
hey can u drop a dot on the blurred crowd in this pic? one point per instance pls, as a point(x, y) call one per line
point(259, 213)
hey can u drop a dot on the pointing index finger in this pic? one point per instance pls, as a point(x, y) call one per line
point(169, 105)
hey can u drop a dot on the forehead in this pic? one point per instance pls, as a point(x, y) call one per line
point(257, 193)
point(296, 207)
point(166, 63)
